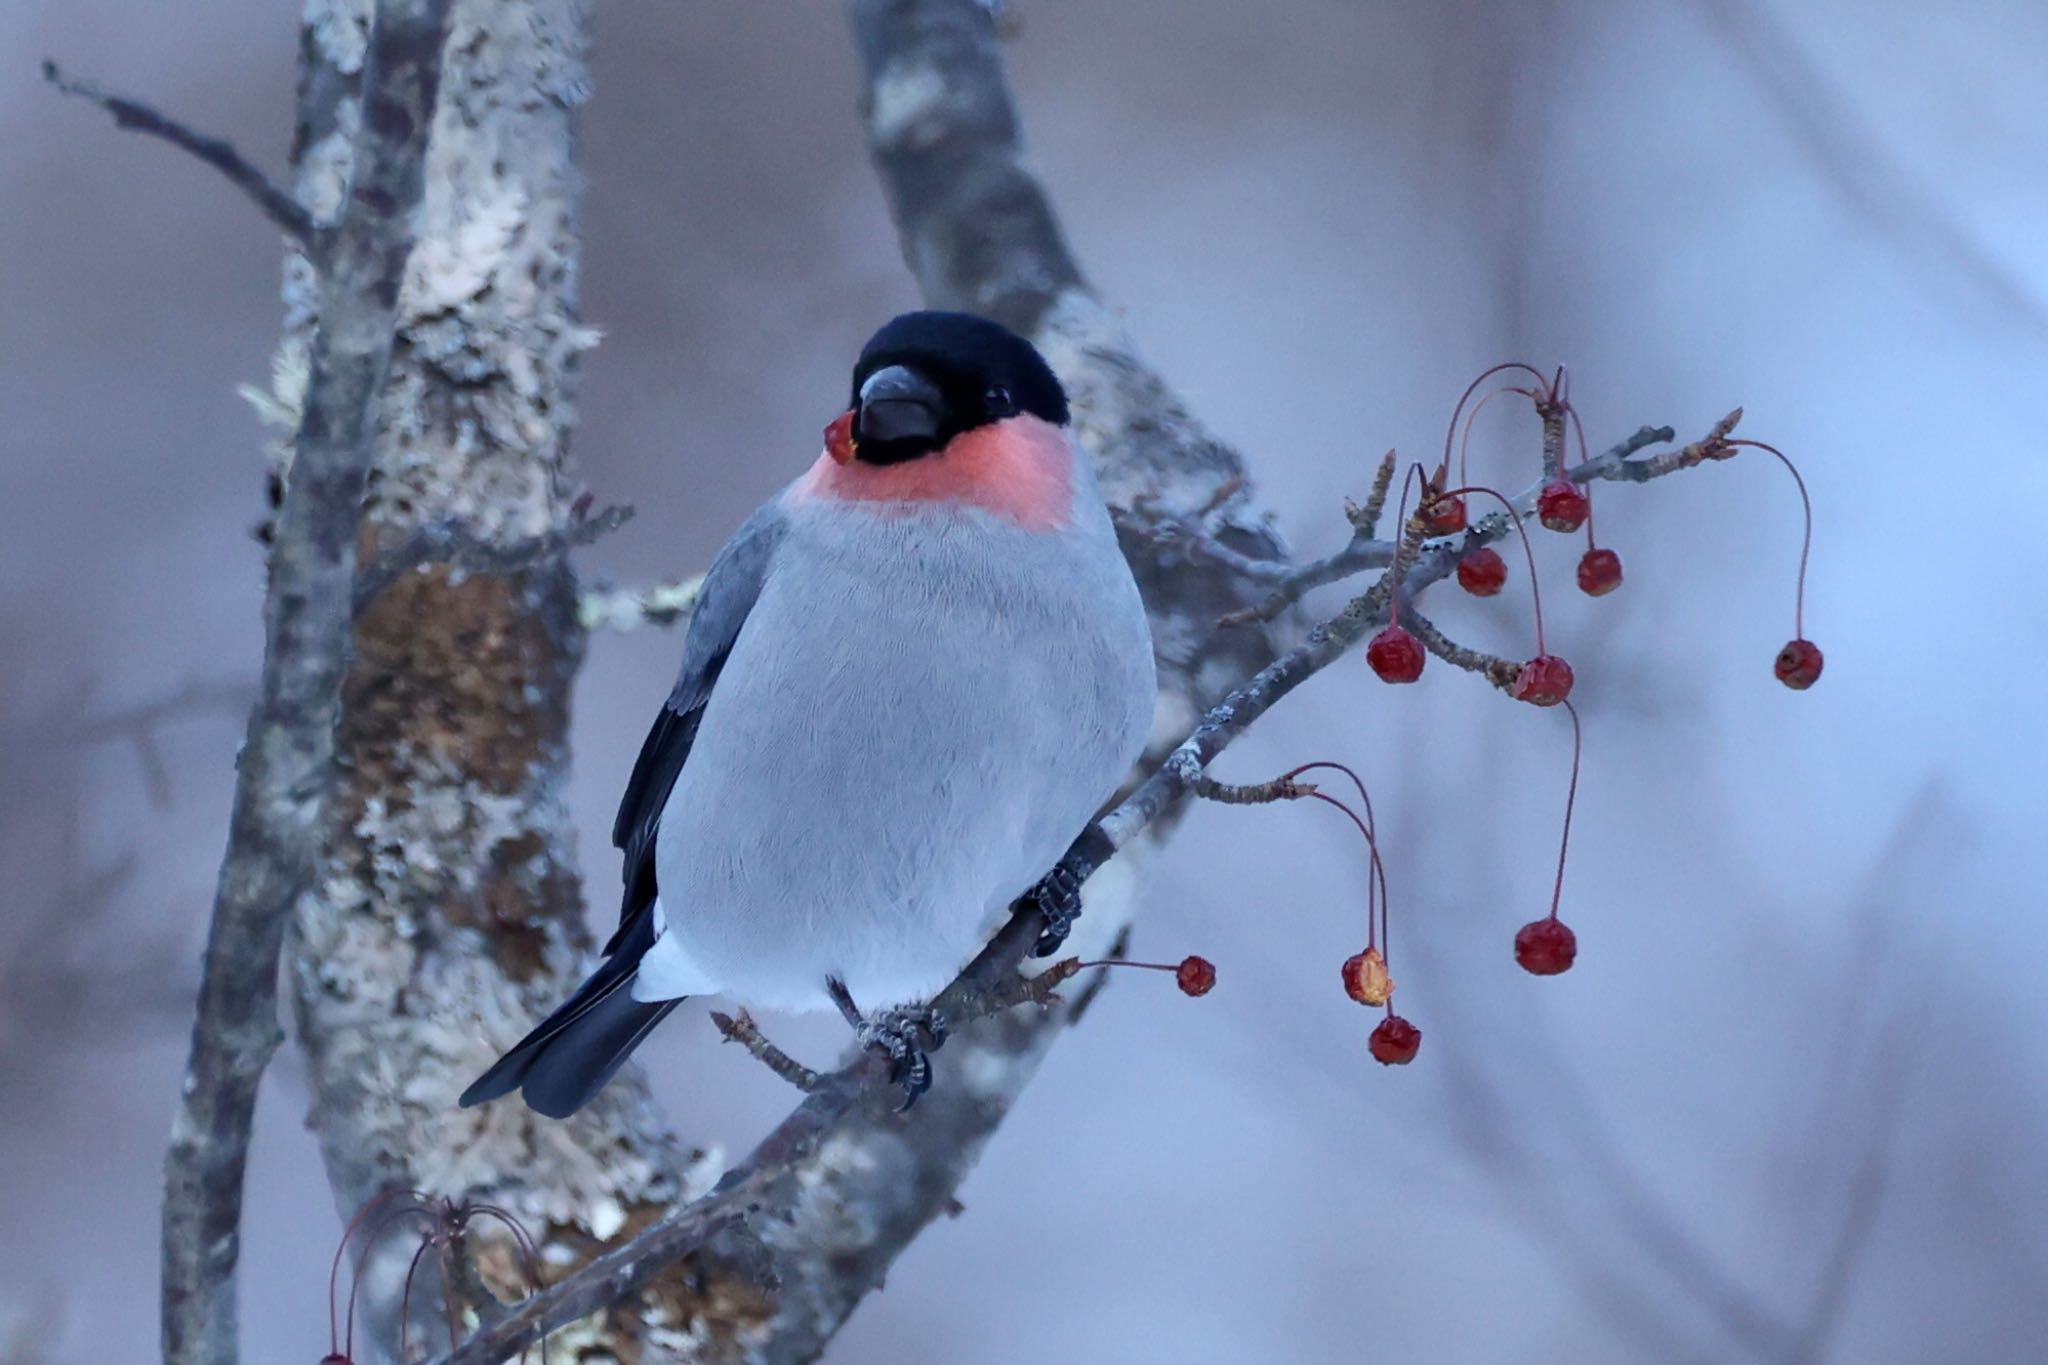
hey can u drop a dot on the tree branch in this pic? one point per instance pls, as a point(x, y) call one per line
point(278, 206)
point(286, 769)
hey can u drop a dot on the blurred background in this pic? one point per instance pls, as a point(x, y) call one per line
point(1790, 1106)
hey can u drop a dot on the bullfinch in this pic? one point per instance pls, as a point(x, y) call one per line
point(912, 679)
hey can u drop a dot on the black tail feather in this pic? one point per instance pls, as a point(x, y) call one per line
point(563, 1063)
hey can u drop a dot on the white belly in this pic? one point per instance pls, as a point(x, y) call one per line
point(910, 730)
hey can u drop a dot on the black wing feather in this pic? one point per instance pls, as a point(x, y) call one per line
point(661, 760)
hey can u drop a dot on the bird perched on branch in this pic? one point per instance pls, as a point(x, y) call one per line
point(911, 681)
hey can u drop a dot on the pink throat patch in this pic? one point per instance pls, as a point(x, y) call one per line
point(1021, 469)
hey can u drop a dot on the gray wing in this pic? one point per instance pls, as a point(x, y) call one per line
point(731, 587)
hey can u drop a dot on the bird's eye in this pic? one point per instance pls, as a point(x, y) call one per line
point(999, 402)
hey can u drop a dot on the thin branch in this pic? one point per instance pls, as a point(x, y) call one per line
point(1496, 670)
point(744, 1031)
point(1208, 788)
point(286, 769)
point(278, 206)
point(603, 607)
point(1366, 520)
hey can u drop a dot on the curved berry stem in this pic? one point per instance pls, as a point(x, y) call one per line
point(1571, 798)
point(529, 1256)
point(1585, 489)
point(405, 1302)
point(1535, 591)
point(334, 1346)
point(369, 1244)
point(1451, 432)
point(1377, 873)
point(1465, 442)
point(1805, 541)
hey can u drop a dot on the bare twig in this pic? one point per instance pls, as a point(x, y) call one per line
point(1496, 670)
point(286, 768)
point(602, 606)
point(278, 206)
point(744, 1031)
point(1366, 520)
point(1250, 793)
point(1185, 534)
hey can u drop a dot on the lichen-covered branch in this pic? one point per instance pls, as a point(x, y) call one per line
point(449, 913)
point(286, 775)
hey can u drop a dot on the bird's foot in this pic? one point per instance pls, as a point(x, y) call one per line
point(905, 1036)
point(1057, 898)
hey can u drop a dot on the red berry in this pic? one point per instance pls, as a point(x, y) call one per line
point(1195, 975)
point(1395, 1041)
point(1798, 665)
point(1545, 680)
point(1545, 947)
point(839, 437)
point(1561, 506)
point(1366, 979)
point(1482, 572)
point(1395, 655)
point(1444, 516)
point(1599, 573)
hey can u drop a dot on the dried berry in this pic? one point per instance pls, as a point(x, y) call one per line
point(1366, 979)
point(1561, 506)
point(1599, 572)
point(1195, 975)
point(1545, 680)
point(839, 437)
point(1482, 572)
point(1798, 665)
point(1395, 655)
point(1395, 1041)
point(1546, 946)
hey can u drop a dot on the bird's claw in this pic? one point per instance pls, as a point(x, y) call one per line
point(905, 1036)
point(1057, 898)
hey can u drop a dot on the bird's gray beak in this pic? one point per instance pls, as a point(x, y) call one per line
point(899, 404)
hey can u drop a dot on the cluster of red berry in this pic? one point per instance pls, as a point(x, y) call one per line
point(1547, 946)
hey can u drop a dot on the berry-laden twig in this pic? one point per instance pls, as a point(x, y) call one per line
point(1365, 974)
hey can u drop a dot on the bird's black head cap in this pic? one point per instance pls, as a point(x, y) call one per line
point(925, 378)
